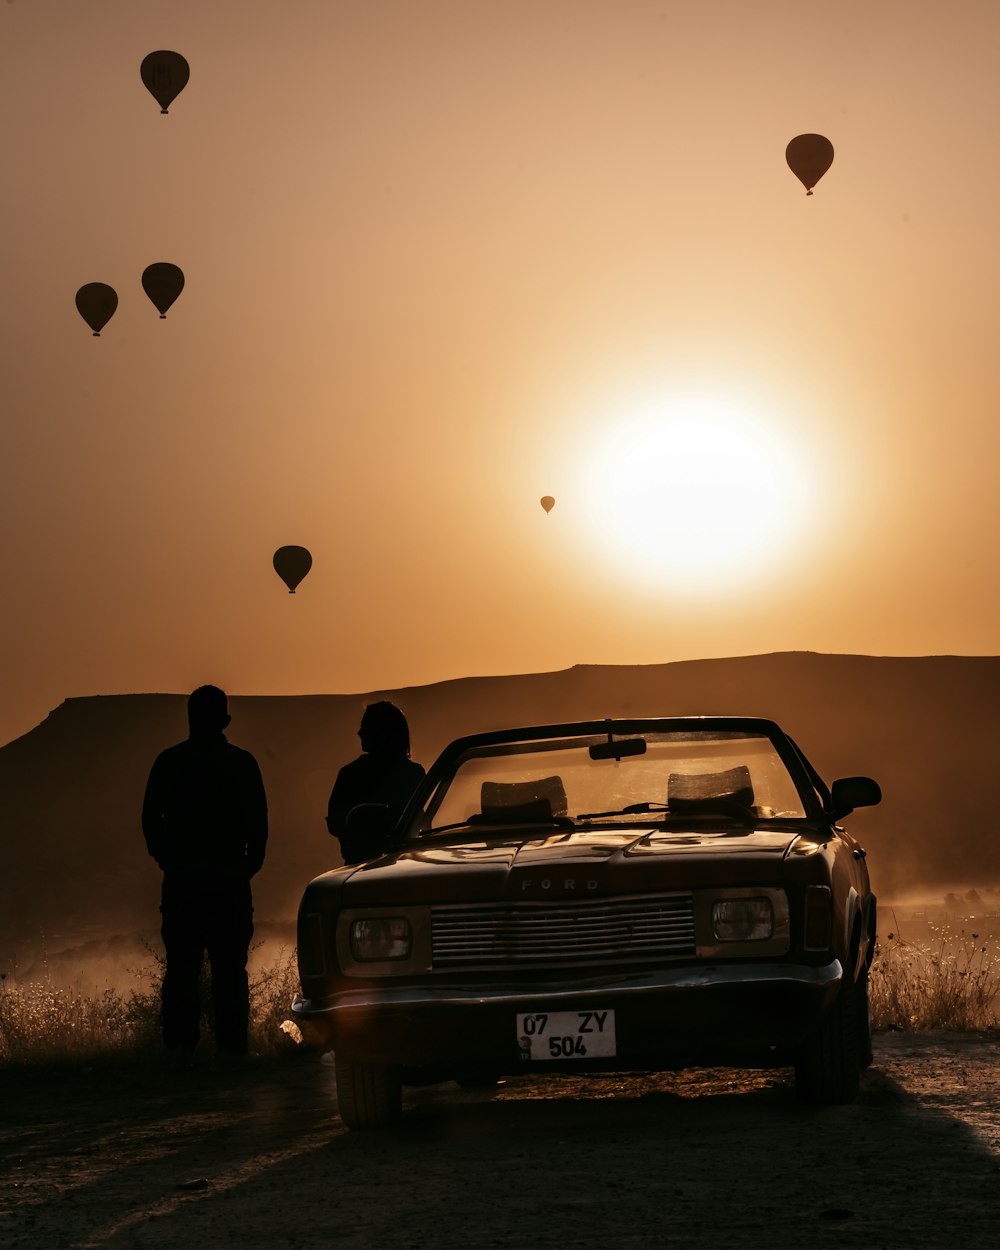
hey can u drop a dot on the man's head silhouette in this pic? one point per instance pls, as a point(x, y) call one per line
point(208, 710)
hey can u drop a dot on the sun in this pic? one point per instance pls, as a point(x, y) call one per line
point(695, 493)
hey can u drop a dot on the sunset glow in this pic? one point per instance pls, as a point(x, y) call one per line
point(444, 259)
point(695, 494)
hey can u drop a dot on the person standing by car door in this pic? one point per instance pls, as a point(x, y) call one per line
point(204, 818)
point(383, 773)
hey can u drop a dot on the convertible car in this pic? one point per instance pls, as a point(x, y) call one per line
point(603, 895)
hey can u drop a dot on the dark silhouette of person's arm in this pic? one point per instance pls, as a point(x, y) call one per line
point(348, 791)
point(256, 817)
point(153, 807)
point(343, 797)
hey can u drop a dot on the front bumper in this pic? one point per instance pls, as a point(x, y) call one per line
point(717, 1013)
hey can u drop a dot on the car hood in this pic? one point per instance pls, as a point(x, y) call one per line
point(580, 863)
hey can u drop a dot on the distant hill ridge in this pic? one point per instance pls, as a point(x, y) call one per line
point(70, 790)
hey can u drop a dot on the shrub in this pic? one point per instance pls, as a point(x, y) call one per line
point(42, 1024)
point(950, 983)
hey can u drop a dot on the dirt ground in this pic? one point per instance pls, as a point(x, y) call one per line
point(698, 1159)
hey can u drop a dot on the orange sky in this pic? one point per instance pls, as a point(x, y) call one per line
point(446, 256)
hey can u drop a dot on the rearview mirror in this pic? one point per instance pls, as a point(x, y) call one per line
point(851, 792)
point(612, 750)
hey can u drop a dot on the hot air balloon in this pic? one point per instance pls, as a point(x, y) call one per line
point(162, 282)
point(809, 157)
point(547, 502)
point(165, 76)
point(292, 564)
point(96, 303)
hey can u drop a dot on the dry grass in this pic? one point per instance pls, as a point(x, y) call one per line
point(42, 1024)
point(950, 981)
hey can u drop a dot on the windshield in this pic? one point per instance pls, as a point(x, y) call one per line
point(689, 775)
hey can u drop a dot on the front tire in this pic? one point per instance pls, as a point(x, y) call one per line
point(828, 1067)
point(369, 1095)
point(865, 1053)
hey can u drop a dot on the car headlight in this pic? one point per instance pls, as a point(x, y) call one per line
point(743, 919)
point(378, 938)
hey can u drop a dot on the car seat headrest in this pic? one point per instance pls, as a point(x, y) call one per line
point(700, 789)
point(518, 802)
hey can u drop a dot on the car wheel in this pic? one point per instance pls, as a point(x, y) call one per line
point(369, 1095)
point(864, 1013)
point(828, 1067)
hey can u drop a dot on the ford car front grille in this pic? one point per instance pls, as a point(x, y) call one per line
point(562, 933)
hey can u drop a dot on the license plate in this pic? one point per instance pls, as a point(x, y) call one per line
point(566, 1034)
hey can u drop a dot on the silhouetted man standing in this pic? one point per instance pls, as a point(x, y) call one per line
point(204, 817)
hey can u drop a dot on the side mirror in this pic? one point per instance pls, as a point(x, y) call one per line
point(851, 792)
point(370, 823)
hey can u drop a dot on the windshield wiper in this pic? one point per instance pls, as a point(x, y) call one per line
point(706, 807)
point(501, 822)
point(633, 809)
point(459, 824)
point(560, 822)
